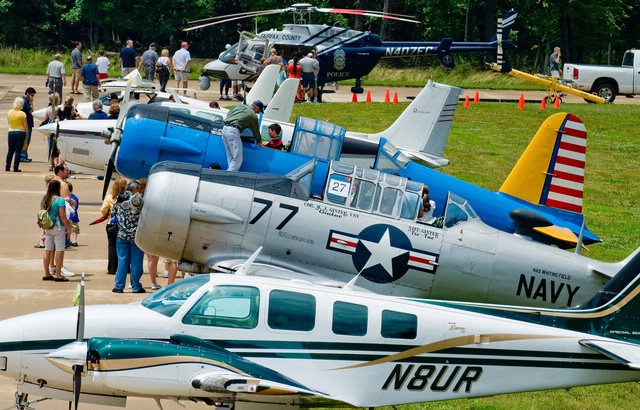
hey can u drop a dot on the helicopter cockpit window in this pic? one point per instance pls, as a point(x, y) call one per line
point(226, 306)
point(230, 53)
point(458, 210)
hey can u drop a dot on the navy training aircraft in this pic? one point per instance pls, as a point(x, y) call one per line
point(267, 344)
point(341, 53)
point(547, 182)
point(366, 223)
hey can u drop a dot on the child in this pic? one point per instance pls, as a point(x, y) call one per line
point(274, 134)
point(47, 179)
point(75, 220)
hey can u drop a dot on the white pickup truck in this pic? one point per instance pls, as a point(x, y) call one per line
point(605, 80)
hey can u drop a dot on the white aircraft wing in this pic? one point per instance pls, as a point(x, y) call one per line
point(625, 353)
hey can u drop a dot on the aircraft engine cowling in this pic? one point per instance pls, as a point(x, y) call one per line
point(165, 219)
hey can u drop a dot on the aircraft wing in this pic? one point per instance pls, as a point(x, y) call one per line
point(433, 161)
point(624, 353)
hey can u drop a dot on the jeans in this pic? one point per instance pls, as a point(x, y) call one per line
point(24, 154)
point(112, 264)
point(163, 78)
point(16, 140)
point(233, 147)
point(130, 259)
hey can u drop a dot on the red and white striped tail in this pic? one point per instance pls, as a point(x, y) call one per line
point(566, 185)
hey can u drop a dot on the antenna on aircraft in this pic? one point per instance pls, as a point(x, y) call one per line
point(352, 282)
point(247, 264)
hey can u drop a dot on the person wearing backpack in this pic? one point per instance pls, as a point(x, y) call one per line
point(54, 237)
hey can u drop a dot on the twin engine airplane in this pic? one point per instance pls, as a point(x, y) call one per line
point(365, 223)
point(267, 344)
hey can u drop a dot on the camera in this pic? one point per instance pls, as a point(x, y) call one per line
point(46, 83)
point(132, 202)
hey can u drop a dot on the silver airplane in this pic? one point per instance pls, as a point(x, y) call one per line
point(366, 223)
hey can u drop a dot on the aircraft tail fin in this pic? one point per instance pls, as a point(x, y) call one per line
point(265, 85)
point(423, 127)
point(502, 39)
point(281, 105)
point(551, 170)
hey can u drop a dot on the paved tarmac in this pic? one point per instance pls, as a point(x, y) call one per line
point(21, 268)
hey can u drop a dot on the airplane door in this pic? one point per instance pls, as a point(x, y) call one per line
point(185, 138)
point(468, 254)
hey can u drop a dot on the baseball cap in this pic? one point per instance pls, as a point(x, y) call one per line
point(310, 55)
point(259, 104)
point(113, 96)
point(152, 45)
point(184, 44)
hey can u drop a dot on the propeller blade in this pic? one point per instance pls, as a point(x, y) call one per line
point(80, 322)
point(77, 384)
point(110, 167)
point(247, 15)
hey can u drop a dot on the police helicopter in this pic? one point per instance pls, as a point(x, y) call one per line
point(341, 53)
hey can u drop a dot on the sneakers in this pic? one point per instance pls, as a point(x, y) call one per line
point(165, 274)
point(39, 245)
point(67, 273)
point(155, 286)
point(115, 290)
point(141, 290)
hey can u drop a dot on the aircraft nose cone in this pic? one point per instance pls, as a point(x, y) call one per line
point(68, 356)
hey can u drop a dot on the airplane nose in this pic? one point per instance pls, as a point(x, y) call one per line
point(68, 356)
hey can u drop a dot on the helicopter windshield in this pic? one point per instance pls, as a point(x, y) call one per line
point(458, 210)
point(169, 299)
point(229, 54)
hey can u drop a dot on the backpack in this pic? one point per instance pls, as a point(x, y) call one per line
point(44, 220)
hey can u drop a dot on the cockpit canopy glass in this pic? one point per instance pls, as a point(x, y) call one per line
point(169, 299)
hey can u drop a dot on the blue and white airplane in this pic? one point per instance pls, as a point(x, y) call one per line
point(545, 188)
point(267, 344)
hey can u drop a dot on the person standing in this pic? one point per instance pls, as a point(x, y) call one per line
point(238, 119)
point(308, 65)
point(148, 62)
point(554, 62)
point(128, 58)
point(130, 257)
point(90, 82)
point(164, 68)
point(76, 65)
point(17, 120)
point(103, 64)
point(119, 187)
point(54, 237)
point(56, 77)
point(181, 60)
point(27, 107)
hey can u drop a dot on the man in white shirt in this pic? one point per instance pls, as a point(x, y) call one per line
point(181, 61)
point(103, 64)
point(56, 77)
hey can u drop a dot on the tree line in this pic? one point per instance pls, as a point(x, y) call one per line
point(588, 31)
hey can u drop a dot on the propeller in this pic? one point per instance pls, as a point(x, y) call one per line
point(78, 368)
point(299, 9)
point(113, 135)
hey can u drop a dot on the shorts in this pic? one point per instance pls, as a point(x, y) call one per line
point(75, 227)
point(103, 75)
point(308, 80)
point(54, 239)
point(76, 74)
point(181, 76)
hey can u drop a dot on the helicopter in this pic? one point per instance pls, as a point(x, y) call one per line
point(341, 53)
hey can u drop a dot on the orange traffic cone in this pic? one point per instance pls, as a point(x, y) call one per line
point(556, 104)
point(354, 97)
point(521, 102)
point(466, 101)
point(476, 99)
point(386, 97)
point(368, 96)
point(395, 98)
point(543, 103)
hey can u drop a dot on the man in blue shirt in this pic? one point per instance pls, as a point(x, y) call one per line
point(128, 58)
point(89, 75)
point(28, 97)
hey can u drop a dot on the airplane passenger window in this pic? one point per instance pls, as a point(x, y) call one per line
point(226, 306)
point(350, 319)
point(398, 325)
point(291, 311)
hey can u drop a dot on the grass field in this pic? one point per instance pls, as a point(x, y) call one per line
point(485, 142)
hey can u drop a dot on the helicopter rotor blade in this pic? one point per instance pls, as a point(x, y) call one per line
point(246, 15)
point(371, 13)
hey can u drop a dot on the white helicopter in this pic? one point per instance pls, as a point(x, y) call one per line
point(268, 344)
point(341, 53)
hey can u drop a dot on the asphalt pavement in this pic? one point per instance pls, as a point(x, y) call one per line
point(21, 266)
